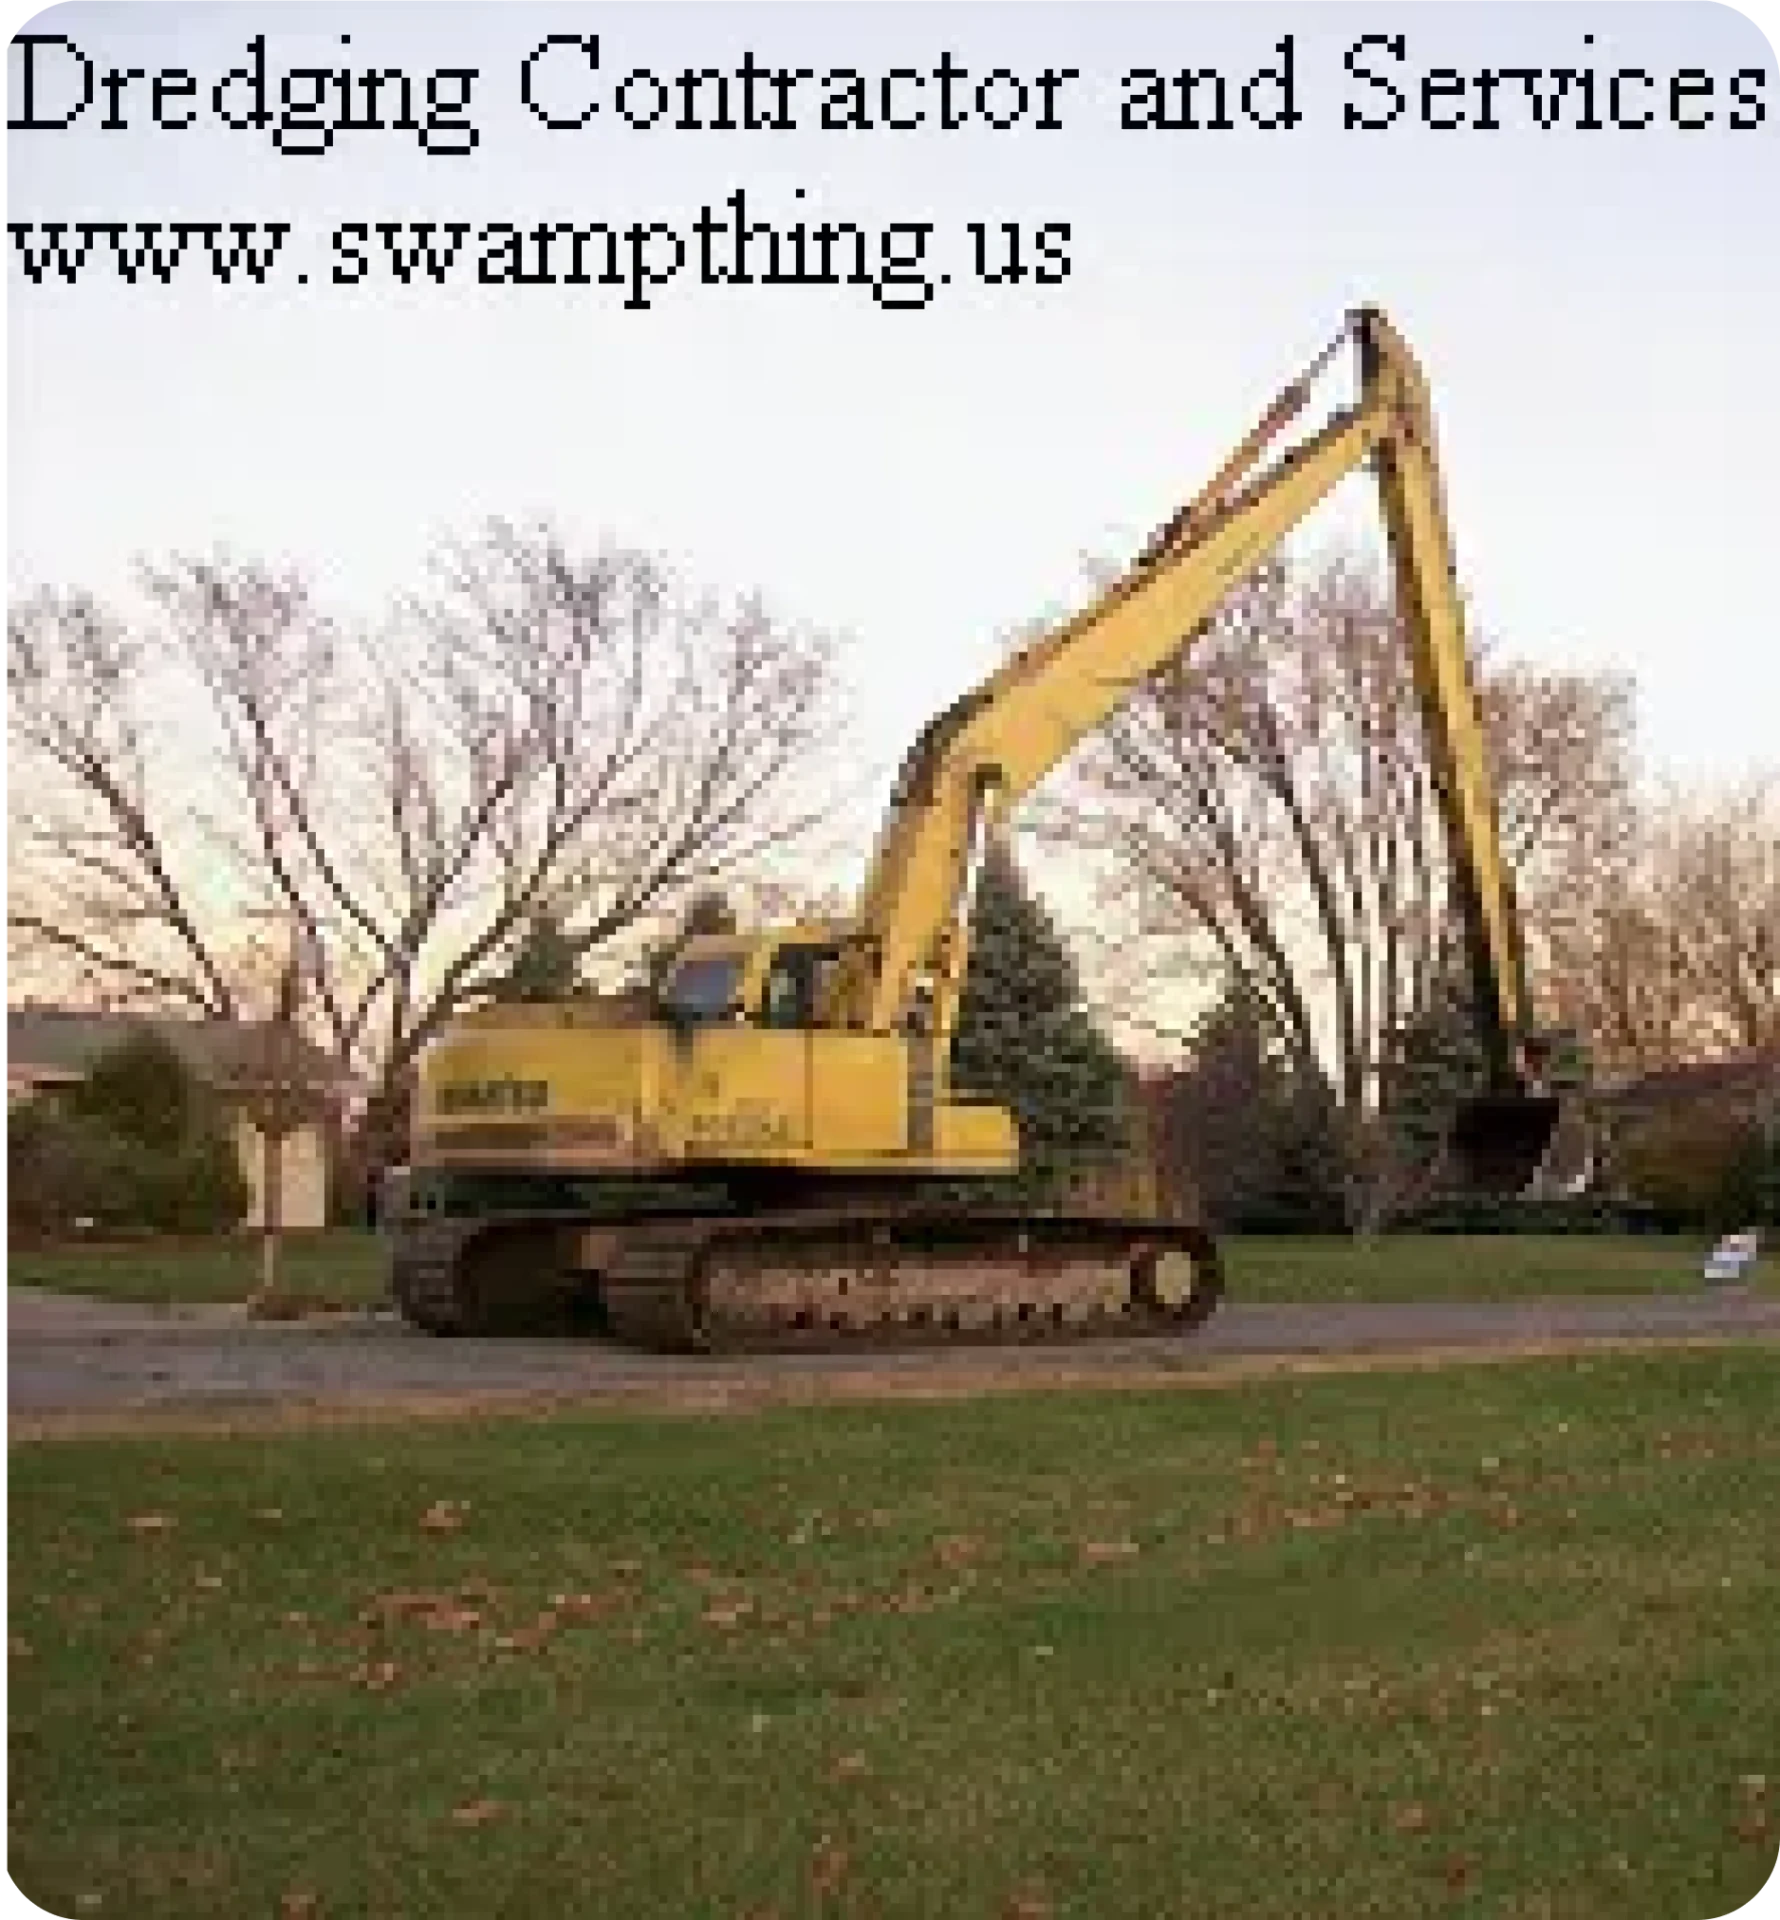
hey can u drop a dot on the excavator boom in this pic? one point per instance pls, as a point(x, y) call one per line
point(983, 754)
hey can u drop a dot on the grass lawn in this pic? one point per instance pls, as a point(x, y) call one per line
point(343, 1267)
point(347, 1267)
point(1470, 1267)
point(1496, 1641)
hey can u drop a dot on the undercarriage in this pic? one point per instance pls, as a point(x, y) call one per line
point(816, 1276)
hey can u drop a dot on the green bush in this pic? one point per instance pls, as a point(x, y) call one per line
point(1712, 1170)
point(68, 1173)
point(1751, 1191)
point(197, 1188)
point(55, 1169)
point(65, 1168)
point(142, 1090)
point(1497, 1213)
point(138, 1146)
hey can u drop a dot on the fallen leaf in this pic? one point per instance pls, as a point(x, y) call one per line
point(402, 1605)
point(444, 1516)
point(210, 1582)
point(587, 1606)
point(1027, 1903)
point(453, 1620)
point(377, 1675)
point(1099, 1552)
point(957, 1549)
point(268, 1513)
point(151, 1522)
point(628, 1568)
point(828, 1868)
point(851, 1766)
point(1754, 1825)
point(1754, 1784)
point(298, 1906)
point(1457, 1871)
point(477, 1813)
point(1410, 1817)
point(727, 1614)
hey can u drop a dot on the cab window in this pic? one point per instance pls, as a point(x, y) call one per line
point(795, 984)
point(703, 989)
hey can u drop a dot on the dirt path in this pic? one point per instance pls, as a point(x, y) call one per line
point(78, 1365)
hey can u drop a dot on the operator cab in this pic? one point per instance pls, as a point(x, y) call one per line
point(780, 981)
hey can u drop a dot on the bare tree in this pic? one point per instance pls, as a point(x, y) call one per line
point(1723, 889)
point(1671, 951)
point(548, 732)
point(1266, 812)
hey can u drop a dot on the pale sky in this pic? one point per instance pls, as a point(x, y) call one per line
point(1597, 311)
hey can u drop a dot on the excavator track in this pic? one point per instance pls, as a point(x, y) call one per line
point(489, 1275)
point(815, 1280)
point(824, 1281)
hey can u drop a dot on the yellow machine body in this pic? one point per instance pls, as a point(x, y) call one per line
point(577, 1088)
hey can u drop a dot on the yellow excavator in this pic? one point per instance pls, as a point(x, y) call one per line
point(767, 1149)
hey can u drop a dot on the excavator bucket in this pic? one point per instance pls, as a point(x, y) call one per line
point(1499, 1139)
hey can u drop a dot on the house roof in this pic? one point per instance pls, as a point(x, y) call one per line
point(59, 1043)
point(1739, 1074)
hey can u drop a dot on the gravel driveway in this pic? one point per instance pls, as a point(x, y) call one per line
point(71, 1356)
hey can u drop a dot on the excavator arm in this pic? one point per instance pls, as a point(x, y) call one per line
point(979, 758)
point(1427, 593)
